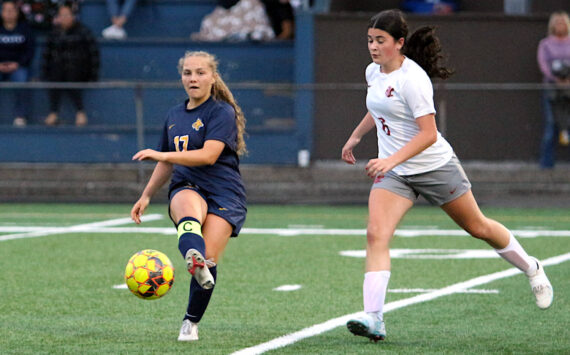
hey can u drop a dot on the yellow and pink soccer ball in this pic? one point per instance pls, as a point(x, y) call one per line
point(149, 274)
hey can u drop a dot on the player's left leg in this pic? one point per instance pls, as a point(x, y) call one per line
point(466, 213)
point(217, 232)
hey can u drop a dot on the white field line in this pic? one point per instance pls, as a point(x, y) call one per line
point(87, 227)
point(426, 290)
point(340, 321)
point(93, 228)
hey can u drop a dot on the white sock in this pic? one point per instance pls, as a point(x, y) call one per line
point(515, 254)
point(374, 291)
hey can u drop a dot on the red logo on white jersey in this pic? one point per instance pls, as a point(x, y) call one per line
point(389, 91)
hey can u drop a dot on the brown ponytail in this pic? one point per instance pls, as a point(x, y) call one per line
point(424, 48)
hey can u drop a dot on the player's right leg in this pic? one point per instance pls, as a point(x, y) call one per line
point(386, 209)
point(188, 208)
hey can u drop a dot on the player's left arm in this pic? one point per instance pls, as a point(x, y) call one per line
point(207, 155)
point(421, 141)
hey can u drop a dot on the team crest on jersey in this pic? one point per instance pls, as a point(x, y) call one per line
point(197, 125)
point(389, 91)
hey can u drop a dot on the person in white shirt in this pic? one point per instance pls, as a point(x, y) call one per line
point(414, 159)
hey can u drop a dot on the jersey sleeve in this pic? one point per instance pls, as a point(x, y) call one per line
point(222, 126)
point(370, 70)
point(418, 94)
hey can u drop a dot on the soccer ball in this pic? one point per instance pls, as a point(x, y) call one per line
point(149, 274)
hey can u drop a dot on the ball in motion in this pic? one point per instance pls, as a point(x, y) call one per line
point(149, 274)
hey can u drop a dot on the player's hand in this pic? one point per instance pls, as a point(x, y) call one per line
point(347, 154)
point(138, 209)
point(378, 167)
point(148, 154)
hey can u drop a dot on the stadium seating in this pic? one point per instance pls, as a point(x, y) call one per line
point(158, 35)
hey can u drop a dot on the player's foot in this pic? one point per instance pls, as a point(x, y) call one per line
point(198, 267)
point(367, 326)
point(541, 287)
point(189, 331)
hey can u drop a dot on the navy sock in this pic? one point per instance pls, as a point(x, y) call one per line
point(199, 299)
point(190, 236)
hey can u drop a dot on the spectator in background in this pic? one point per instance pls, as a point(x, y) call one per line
point(17, 45)
point(434, 7)
point(71, 55)
point(40, 13)
point(235, 20)
point(280, 13)
point(119, 15)
point(554, 62)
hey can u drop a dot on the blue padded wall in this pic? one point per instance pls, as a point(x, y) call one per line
point(158, 36)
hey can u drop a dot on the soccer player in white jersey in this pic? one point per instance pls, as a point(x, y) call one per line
point(414, 159)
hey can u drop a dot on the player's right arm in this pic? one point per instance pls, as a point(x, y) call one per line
point(365, 126)
point(160, 175)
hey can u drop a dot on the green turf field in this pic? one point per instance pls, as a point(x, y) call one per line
point(60, 264)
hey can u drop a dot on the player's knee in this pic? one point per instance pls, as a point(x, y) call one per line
point(480, 229)
point(378, 236)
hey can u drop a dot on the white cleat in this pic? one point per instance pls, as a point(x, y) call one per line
point(367, 326)
point(198, 267)
point(541, 287)
point(189, 331)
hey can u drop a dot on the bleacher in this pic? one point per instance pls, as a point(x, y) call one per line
point(284, 115)
point(158, 35)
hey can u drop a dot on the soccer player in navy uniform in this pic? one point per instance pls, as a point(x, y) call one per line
point(199, 150)
point(413, 159)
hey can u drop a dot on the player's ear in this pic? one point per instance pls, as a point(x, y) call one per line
point(400, 44)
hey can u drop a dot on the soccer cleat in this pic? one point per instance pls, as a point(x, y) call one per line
point(541, 287)
point(198, 267)
point(367, 326)
point(188, 331)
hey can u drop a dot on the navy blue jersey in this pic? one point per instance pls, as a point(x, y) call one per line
point(17, 45)
point(187, 130)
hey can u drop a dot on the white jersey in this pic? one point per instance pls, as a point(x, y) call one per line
point(395, 100)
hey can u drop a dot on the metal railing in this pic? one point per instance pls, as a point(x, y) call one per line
point(138, 87)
